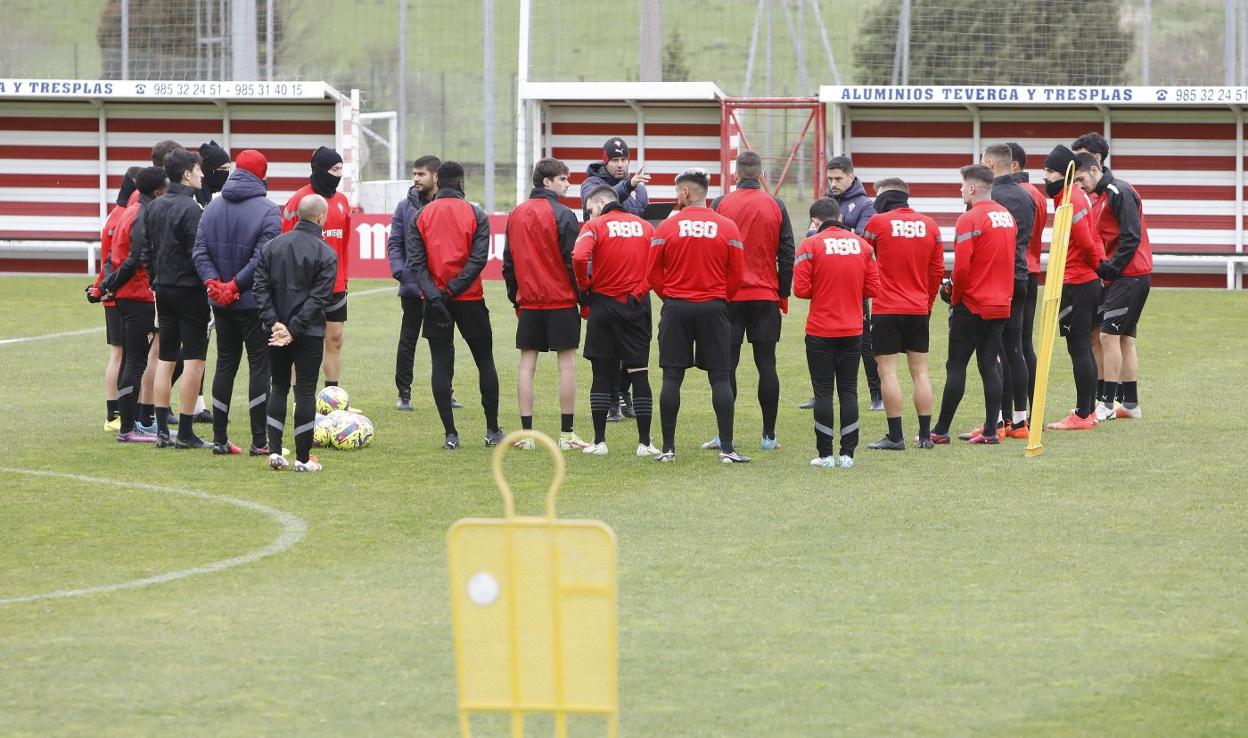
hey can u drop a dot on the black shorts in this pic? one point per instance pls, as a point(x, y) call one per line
point(1077, 315)
point(337, 310)
point(694, 334)
point(899, 334)
point(113, 334)
point(1124, 302)
point(757, 320)
point(974, 329)
point(471, 317)
point(548, 330)
point(183, 314)
point(620, 331)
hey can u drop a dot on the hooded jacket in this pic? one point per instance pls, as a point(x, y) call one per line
point(1120, 222)
point(856, 207)
point(768, 238)
point(1037, 225)
point(294, 280)
point(1008, 192)
point(170, 224)
point(634, 199)
point(401, 238)
point(449, 247)
point(232, 232)
point(537, 254)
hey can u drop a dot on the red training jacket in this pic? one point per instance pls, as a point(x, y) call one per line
point(835, 269)
point(768, 239)
point(451, 243)
point(983, 260)
point(611, 255)
point(1037, 227)
point(106, 242)
point(137, 287)
point(911, 260)
point(537, 255)
point(696, 255)
point(336, 231)
point(1085, 252)
point(1120, 221)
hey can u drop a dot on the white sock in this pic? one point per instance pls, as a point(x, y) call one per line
point(1020, 416)
point(199, 405)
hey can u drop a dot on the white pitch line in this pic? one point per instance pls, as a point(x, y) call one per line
point(294, 529)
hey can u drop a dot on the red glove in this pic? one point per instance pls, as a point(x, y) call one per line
point(784, 305)
point(584, 312)
point(229, 293)
point(214, 290)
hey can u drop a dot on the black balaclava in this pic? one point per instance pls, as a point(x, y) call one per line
point(128, 186)
point(213, 156)
point(891, 200)
point(1053, 188)
point(1058, 160)
point(324, 183)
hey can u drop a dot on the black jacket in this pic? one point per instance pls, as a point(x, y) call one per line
point(1007, 192)
point(170, 223)
point(294, 281)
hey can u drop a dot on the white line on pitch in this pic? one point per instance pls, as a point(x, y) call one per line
point(294, 529)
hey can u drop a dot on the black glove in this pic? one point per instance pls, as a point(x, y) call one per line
point(1107, 272)
point(946, 290)
point(93, 295)
point(439, 313)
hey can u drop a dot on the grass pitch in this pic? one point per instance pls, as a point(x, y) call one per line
point(1097, 590)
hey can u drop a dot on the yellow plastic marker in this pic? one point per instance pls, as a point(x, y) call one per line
point(534, 610)
point(1050, 303)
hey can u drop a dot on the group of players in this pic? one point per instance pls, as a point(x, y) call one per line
point(724, 270)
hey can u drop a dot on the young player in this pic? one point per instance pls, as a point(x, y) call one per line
point(232, 232)
point(613, 172)
point(911, 260)
point(537, 268)
point(836, 270)
point(326, 174)
point(1095, 145)
point(696, 265)
point(756, 308)
point(856, 210)
point(450, 245)
point(294, 283)
point(1081, 290)
point(610, 264)
point(1121, 226)
point(1018, 168)
point(112, 318)
point(983, 285)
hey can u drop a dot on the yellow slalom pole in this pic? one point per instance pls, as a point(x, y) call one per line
point(1050, 303)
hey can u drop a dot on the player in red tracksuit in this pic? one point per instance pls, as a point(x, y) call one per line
point(610, 261)
point(1018, 169)
point(449, 247)
point(1119, 217)
point(326, 174)
point(537, 268)
point(911, 260)
point(756, 308)
point(112, 319)
point(696, 265)
point(836, 270)
point(982, 288)
point(1081, 291)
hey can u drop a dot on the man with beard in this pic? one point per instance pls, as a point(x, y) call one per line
point(613, 172)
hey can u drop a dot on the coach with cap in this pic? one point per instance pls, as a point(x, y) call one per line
point(613, 172)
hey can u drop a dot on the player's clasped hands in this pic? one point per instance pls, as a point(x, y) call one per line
point(280, 335)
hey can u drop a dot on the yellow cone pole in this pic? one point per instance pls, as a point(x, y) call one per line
point(1050, 303)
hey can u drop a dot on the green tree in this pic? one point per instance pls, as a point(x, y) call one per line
point(675, 69)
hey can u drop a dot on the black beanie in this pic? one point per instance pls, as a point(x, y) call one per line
point(323, 183)
point(1058, 159)
point(212, 156)
point(614, 148)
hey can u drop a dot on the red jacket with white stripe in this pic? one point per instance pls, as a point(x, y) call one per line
point(449, 247)
point(537, 255)
point(611, 254)
point(1120, 221)
point(911, 261)
point(983, 260)
point(835, 269)
point(1085, 251)
point(137, 286)
point(696, 255)
point(336, 231)
point(768, 239)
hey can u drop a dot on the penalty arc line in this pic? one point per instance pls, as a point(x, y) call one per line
point(294, 529)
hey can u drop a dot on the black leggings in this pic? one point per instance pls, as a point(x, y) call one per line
point(304, 354)
point(405, 356)
point(137, 328)
point(833, 365)
point(1029, 323)
point(721, 401)
point(237, 329)
point(868, 355)
point(768, 382)
point(1080, 349)
point(607, 371)
point(442, 363)
point(1014, 360)
point(969, 334)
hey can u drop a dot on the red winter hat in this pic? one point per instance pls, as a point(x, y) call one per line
point(252, 161)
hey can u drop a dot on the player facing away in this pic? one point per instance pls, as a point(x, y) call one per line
point(755, 309)
point(1120, 224)
point(911, 261)
point(326, 175)
point(1018, 167)
point(1081, 290)
point(836, 270)
point(610, 264)
point(294, 283)
point(113, 334)
point(696, 265)
point(537, 268)
point(449, 247)
point(983, 285)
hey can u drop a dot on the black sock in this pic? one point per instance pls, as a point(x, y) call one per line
point(526, 422)
point(1111, 391)
point(162, 421)
point(565, 422)
point(331, 382)
point(146, 414)
point(1100, 389)
point(643, 405)
point(925, 426)
point(111, 406)
point(186, 426)
point(894, 429)
point(1130, 393)
point(600, 396)
point(1118, 395)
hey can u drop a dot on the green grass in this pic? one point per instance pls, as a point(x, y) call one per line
point(1098, 590)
